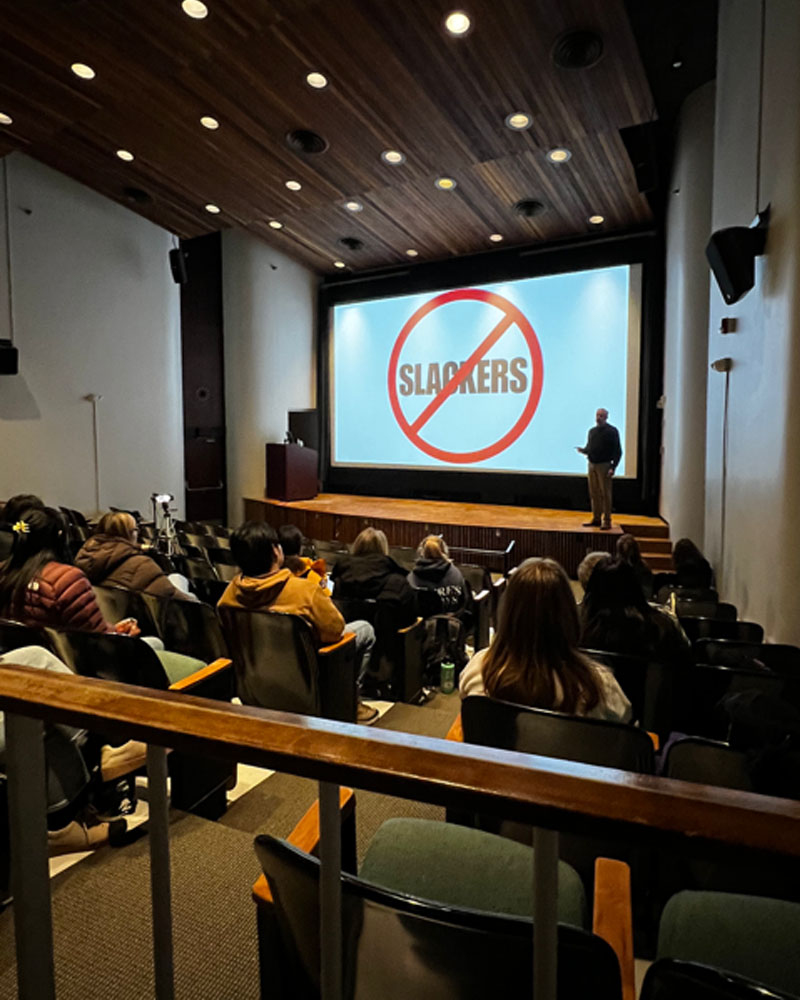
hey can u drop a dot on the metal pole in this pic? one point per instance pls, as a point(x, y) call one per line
point(545, 913)
point(30, 871)
point(160, 890)
point(330, 892)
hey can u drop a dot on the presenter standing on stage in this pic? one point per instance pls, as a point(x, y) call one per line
point(604, 452)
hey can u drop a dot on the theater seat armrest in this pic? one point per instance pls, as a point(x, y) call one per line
point(456, 731)
point(655, 740)
point(187, 684)
point(305, 836)
point(480, 596)
point(348, 637)
point(612, 919)
point(410, 628)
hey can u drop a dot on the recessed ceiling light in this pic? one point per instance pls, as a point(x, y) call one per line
point(274, 224)
point(195, 9)
point(518, 121)
point(596, 220)
point(559, 155)
point(457, 22)
point(496, 238)
point(339, 263)
point(353, 206)
point(317, 80)
point(83, 71)
point(294, 185)
point(214, 209)
point(445, 183)
point(393, 156)
point(412, 253)
point(5, 119)
point(208, 122)
point(125, 155)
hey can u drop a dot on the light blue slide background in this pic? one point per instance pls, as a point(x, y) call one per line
point(581, 321)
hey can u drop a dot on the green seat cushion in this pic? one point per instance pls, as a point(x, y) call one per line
point(459, 866)
point(749, 935)
point(177, 666)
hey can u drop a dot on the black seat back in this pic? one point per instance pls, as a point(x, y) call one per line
point(708, 762)
point(188, 627)
point(699, 691)
point(274, 658)
point(437, 952)
point(669, 979)
point(110, 658)
point(15, 635)
point(716, 628)
point(404, 555)
point(647, 685)
point(494, 723)
point(117, 603)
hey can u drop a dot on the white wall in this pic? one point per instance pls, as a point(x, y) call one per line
point(270, 364)
point(753, 511)
point(95, 312)
point(686, 319)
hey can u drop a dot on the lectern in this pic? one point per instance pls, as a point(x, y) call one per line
point(292, 472)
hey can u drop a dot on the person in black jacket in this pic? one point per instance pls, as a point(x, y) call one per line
point(603, 451)
point(434, 570)
point(370, 573)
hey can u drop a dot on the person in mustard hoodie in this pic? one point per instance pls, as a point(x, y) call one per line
point(265, 584)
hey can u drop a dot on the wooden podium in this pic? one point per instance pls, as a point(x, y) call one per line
point(292, 472)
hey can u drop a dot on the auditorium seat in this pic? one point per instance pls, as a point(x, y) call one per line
point(664, 594)
point(188, 627)
point(278, 665)
point(779, 657)
point(331, 552)
point(668, 979)
point(198, 783)
point(647, 685)
point(404, 555)
point(223, 562)
point(436, 912)
point(699, 690)
point(708, 762)
point(117, 603)
point(749, 936)
point(15, 635)
point(714, 628)
point(209, 591)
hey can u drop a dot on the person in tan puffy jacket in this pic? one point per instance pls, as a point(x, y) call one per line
point(112, 558)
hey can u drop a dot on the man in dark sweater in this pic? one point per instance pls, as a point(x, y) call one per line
point(604, 452)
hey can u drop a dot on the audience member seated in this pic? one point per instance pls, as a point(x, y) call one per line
point(75, 760)
point(692, 569)
point(13, 510)
point(628, 552)
point(618, 619)
point(434, 570)
point(587, 565)
point(290, 538)
point(265, 584)
point(370, 573)
point(534, 658)
point(112, 558)
point(39, 587)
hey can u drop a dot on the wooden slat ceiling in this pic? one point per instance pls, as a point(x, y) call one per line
point(397, 80)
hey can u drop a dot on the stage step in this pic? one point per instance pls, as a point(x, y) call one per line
point(653, 545)
point(658, 561)
point(646, 530)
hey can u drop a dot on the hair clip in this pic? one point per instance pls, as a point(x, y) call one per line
point(21, 528)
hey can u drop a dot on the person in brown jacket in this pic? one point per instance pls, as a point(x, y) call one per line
point(112, 558)
point(265, 584)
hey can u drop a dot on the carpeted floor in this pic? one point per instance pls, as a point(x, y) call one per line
point(276, 805)
point(101, 906)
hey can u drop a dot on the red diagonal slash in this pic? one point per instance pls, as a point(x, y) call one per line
point(462, 373)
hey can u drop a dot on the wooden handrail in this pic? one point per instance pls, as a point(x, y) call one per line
point(524, 787)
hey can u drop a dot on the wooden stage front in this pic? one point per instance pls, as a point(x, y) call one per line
point(537, 531)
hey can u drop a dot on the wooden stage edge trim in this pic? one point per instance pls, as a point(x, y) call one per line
point(537, 531)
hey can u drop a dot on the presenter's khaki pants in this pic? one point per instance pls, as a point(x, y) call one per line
point(600, 491)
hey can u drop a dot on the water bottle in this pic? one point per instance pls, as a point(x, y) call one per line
point(447, 682)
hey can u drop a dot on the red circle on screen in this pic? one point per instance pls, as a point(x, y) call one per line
point(509, 315)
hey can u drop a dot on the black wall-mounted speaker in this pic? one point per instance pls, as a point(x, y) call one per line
point(177, 264)
point(642, 143)
point(732, 253)
point(9, 358)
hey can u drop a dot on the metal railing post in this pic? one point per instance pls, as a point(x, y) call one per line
point(545, 913)
point(330, 892)
point(160, 887)
point(30, 871)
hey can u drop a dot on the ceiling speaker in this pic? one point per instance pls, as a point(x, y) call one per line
point(528, 208)
point(578, 49)
point(303, 140)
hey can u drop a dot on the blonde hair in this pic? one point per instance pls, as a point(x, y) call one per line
point(117, 524)
point(536, 644)
point(370, 540)
point(433, 547)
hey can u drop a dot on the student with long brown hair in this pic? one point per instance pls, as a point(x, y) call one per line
point(535, 660)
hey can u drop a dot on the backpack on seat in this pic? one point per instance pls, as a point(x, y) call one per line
point(445, 642)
